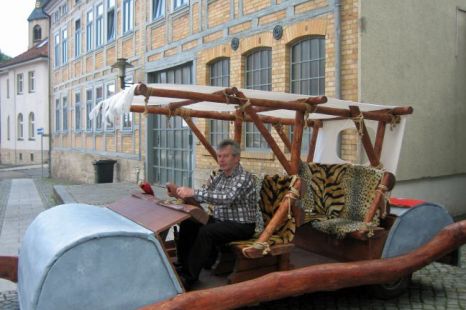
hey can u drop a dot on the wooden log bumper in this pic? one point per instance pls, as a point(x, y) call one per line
point(9, 268)
point(323, 277)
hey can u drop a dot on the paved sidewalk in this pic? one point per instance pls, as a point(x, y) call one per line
point(18, 210)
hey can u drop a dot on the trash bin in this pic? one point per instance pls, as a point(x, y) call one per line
point(104, 170)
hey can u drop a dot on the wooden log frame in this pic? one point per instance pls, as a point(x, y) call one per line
point(358, 119)
point(201, 137)
point(279, 129)
point(379, 138)
point(319, 277)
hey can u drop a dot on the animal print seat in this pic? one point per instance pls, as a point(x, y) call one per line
point(336, 197)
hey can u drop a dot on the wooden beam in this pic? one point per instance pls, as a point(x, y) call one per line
point(9, 268)
point(201, 137)
point(366, 140)
point(238, 123)
point(379, 138)
point(279, 129)
point(313, 142)
point(297, 140)
point(320, 277)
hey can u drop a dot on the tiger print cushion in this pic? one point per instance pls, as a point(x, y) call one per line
point(341, 196)
point(273, 190)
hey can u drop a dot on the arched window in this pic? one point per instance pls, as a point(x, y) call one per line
point(37, 33)
point(20, 126)
point(308, 67)
point(31, 126)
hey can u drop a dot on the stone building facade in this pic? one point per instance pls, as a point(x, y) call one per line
point(221, 42)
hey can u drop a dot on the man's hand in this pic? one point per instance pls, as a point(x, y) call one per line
point(184, 192)
point(171, 190)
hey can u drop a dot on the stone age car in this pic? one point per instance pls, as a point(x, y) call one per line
point(324, 224)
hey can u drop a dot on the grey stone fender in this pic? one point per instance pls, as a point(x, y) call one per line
point(78, 256)
point(415, 227)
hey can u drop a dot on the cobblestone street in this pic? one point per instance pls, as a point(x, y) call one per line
point(436, 286)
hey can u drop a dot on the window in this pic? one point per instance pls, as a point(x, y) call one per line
point(57, 115)
point(99, 25)
point(37, 33)
point(89, 20)
point(308, 67)
point(258, 76)
point(57, 50)
point(7, 88)
point(127, 118)
point(128, 15)
point(31, 81)
point(110, 20)
point(306, 139)
point(64, 44)
point(98, 98)
point(219, 76)
point(89, 106)
point(109, 91)
point(179, 3)
point(77, 38)
point(31, 126)
point(77, 111)
point(20, 126)
point(65, 113)
point(158, 8)
point(8, 128)
point(19, 83)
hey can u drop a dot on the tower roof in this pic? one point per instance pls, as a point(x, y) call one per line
point(38, 12)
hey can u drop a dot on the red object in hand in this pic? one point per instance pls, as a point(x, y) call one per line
point(146, 188)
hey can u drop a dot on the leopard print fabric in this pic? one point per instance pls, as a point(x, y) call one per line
point(341, 196)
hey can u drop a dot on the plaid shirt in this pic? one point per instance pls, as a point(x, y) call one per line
point(233, 197)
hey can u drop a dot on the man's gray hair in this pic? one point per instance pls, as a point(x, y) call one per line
point(234, 146)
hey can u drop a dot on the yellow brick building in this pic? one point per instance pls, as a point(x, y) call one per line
point(306, 47)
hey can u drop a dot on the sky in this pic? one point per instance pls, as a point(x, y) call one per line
point(14, 25)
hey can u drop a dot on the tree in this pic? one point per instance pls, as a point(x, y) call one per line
point(4, 57)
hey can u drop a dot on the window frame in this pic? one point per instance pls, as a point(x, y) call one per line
point(37, 29)
point(64, 101)
point(98, 120)
point(20, 128)
point(253, 139)
point(57, 48)
point(178, 4)
point(31, 81)
point(77, 111)
point(99, 25)
point(89, 107)
point(160, 12)
point(8, 128)
point(64, 44)
point(218, 129)
point(111, 11)
point(127, 15)
point(299, 63)
point(127, 118)
point(89, 29)
point(77, 38)
point(31, 126)
point(108, 94)
point(19, 83)
point(57, 115)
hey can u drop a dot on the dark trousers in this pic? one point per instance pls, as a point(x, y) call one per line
point(196, 241)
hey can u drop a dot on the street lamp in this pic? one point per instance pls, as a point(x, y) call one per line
point(121, 65)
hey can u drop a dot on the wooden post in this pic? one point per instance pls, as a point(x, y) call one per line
point(297, 140)
point(268, 137)
point(238, 125)
point(279, 129)
point(201, 137)
point(313, 142)
point(9, 268)
point(379, 138)
point(366, 140)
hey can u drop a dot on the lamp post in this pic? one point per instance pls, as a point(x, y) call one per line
point(121, 65)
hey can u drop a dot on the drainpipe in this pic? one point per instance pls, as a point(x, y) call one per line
point(337, 15)
point(49, 95)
